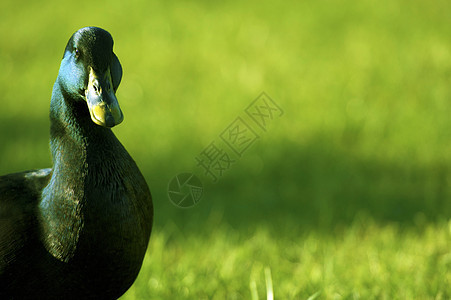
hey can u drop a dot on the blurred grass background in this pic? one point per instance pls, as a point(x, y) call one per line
point(347, 195)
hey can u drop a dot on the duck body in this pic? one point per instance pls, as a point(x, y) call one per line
point(79, 230)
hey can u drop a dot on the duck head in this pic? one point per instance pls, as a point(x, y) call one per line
point(91, 72)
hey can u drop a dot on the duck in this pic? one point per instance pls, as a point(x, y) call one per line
point(80, 229)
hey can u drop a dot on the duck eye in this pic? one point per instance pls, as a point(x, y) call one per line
point(77, 52)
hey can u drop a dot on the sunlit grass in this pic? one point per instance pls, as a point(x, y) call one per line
point(364, 261)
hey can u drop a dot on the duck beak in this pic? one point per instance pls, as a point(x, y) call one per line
point(102, 101)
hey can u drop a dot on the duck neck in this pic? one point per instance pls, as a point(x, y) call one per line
point(73, 137)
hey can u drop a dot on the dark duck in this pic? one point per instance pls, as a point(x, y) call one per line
point(79, 230)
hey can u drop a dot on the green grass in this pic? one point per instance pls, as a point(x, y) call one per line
point(347, 195)
point(362, 261)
